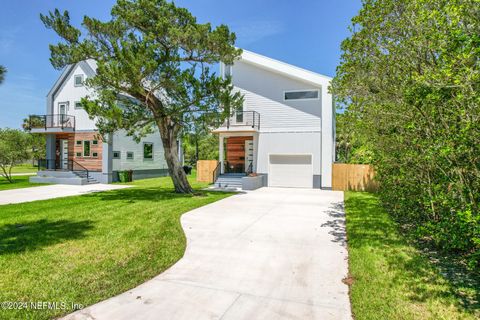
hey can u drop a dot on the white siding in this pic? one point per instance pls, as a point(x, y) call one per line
point(263, 92)
point(123, 143)
point(69, 93)
point(288, 143)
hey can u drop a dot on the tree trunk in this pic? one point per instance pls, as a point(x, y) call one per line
point(169, 135)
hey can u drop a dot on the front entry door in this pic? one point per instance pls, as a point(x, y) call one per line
point(64, 154)
point(248, 156)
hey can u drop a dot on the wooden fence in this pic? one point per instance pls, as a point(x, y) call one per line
point(354, 177)
point(205, 170)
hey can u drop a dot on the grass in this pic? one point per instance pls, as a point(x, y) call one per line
point(87, 248)
point(392, 279)
point(24, 168)
point(18, 182)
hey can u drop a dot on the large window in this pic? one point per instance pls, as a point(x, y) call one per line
point(147, 151)
point(302, 95)
point(86, 148)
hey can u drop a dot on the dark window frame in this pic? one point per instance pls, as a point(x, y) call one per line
point(119, 155)
point(296, 93)
point(146, 144)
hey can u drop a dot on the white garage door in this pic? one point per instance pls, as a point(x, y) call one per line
point(294, 171)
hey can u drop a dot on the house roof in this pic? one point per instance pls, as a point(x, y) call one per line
point(284, 68)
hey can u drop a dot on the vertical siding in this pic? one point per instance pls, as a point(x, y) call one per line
point(69, 93)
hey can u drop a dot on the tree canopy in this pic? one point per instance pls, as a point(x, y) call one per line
point(153, 70)
point(3, 71)
point(410, 74)
point(14, 146)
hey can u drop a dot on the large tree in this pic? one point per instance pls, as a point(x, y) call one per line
point(154, 70)
point(410, 73)
point(3, 71)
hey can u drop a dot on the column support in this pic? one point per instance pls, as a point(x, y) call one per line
point(220, 153)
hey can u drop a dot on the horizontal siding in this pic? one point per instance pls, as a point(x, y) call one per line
point(263, 92)
point(124, 144)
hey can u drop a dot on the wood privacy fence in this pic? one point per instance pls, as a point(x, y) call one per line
point(354, 177)
point(205, 170)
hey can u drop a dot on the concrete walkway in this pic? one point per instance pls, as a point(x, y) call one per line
point(268, 254)
point(52, 191)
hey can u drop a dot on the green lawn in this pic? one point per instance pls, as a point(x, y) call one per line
point(84, 249)
point(18, 182)
point(24, 168)
point(392, 279)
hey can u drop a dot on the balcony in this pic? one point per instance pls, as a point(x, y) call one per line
point(51, 123)
point(241, 121)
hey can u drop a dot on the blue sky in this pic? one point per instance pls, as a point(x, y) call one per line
point(306, 33)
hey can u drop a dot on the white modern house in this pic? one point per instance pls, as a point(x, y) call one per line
point(286, 130)
point(76, 154)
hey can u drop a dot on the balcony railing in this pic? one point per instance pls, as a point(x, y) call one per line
point(49, 121)
point(243, 119)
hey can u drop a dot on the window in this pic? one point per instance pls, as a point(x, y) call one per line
point(95, 154)
point(86, 148)
point(78, 154)
point(116, 154)
point(78, 105)
point(129, 155)
point(78, 80)
point(228, 70)
point(302, 95)
point(148, 151)
point(95, 142)
point(78, 142)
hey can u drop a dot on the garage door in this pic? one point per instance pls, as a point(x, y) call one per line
point(294, 171)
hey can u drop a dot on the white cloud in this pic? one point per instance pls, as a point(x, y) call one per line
point(252, 31)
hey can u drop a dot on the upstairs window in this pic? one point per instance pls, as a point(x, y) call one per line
point(129, 155)
point(302, 95)
point(116, 154)
point(148, 151)
point(78, 105)
point(78, 80)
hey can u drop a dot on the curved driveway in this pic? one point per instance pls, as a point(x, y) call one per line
point(268, 254)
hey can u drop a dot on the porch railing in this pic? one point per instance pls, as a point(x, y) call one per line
point(47, 121)
point(59, 165)
point(216, 171)
point(243, 119)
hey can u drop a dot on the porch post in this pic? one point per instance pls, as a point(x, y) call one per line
point(255, 152)
point(50, 152)
point(220, 153)
point(107, 159)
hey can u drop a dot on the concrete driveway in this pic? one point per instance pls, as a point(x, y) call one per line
point(269, 254)
point(53, 191)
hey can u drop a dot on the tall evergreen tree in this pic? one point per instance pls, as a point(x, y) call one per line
point(157, 54)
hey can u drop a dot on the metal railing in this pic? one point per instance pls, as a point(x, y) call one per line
point(216, 171)
point(62, 165)
point(250, 168)
point(243, 118)
point(51, 121)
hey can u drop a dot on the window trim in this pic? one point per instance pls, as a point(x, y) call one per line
point(78, 154)
point(119, 155)
point(75, 105)
point(78, 142)
point(89, 149)
point(133, 155)
point(301, 90)
point(147, 159)
point(75, 81)
point(94, 154)
point(94, 142)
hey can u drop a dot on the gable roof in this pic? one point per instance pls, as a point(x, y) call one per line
point(284, 68)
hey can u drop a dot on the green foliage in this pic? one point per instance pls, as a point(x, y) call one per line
point(38, 140)
point(14, 146)
point(410, 74)
point(154, 69)
point(352, 146)
point(392, 279)
point(3, 71)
